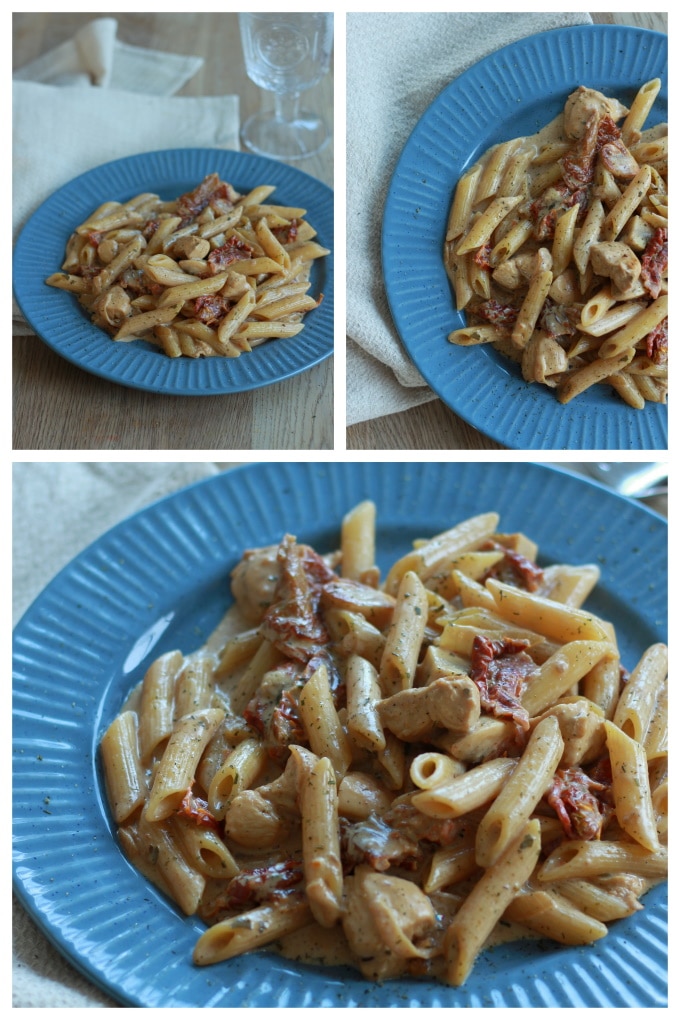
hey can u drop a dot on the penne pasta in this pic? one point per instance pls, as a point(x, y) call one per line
point(397, 767)
point(150, 269)
point(557, 249)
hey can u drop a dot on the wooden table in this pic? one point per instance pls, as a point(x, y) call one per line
point(433, 426)
point(58, 406)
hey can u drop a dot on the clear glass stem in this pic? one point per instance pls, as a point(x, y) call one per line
point(287, 106)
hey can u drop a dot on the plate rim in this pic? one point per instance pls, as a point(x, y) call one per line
point(205, 377)
point(651, 433)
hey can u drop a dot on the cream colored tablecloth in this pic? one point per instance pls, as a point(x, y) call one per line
point(95, 99)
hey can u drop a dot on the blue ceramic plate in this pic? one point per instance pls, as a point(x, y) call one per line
point(159, 580)
point(512, 92)
point(62, 323)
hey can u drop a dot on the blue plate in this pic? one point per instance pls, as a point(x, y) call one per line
point(159, 580)
point(62, 323)
point(512, 92)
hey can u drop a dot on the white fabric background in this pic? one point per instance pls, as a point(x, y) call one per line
point(94, 99)
point(396, 66)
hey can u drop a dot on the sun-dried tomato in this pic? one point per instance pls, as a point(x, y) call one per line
point(261, 884)
point(233, 250)
point(497, 313)
point(499, 668)
point(654, 262)
point(210, 308)
point(196, 810)
point(514, 568)
point(192, 203)
point(573, 795)
point(293, 622)
point(656, 343)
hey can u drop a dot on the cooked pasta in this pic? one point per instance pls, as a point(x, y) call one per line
point(392, 802)
point(211, 273)
point(557, 250)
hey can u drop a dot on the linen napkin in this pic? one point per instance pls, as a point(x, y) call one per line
point(58, 510)
point(95, 99)
point(386, 96)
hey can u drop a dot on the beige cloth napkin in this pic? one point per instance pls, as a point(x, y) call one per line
point(59, 509)
point(95, 99)
point(385, 99)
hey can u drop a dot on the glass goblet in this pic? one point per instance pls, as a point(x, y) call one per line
point(286, 54)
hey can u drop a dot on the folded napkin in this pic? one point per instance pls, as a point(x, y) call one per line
point(95, 99)
point(58, 510)
point(385, 99)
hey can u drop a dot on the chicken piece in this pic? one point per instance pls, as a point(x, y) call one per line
point(637, 233)
point(189, 248)
point(376, 606)
point(252, 821)
point(515, 273)
point(580, 106)
point(254, 581)
point(112, 308)
point(582, 727)
point(236, 286)
point(564, 290)
point(542, 359)
point(617, 261)
point(618, 160)
point(384, 919)
point(451, 703)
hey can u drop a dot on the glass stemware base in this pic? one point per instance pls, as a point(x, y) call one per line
point(267, 134)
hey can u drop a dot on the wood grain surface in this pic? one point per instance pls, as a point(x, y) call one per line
point(433, 426)
point(58, 406)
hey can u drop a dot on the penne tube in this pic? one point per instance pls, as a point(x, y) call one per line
point(157, 709)
point(433, 557)
point(251, 930)
point(488, 901)
point(363, 694)
point(402, 645)
point(203, 849)
point(449, 866)
point(463, 202)
point(176, 771)
point(557, 622)
point(325, 733)
point(431, 769)
point(618, 216)
point(238, 772)
point(589, 858)
point(554, 917)
point(125, 779)
point(464, 793)
point(521, 793)
point(638, 698)
point(639, 111)
point(630, 787)
point(562, 671)
point(317, 791)
point(484, 225)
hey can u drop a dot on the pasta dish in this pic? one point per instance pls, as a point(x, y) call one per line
point(212, 273)
point(557, 250)
point(388, 772)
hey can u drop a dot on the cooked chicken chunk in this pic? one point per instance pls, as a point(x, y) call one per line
point(618, 262)
point(582, 103)
point(385, 917)
point(449, 703)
